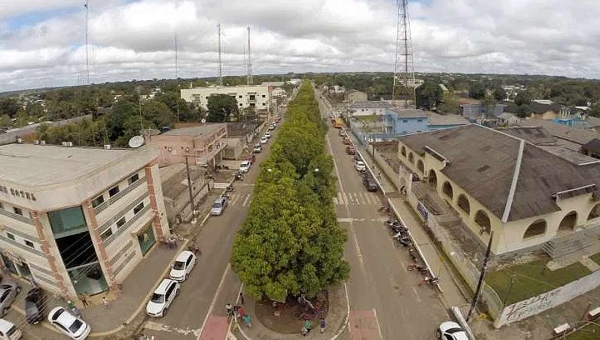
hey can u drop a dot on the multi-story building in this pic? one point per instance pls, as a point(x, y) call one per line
point(405, 121)
point(202, 144)
point(369, 108)
point(78, 220)
point(256, 97)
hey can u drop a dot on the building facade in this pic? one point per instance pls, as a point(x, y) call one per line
point(255, 97)
point(78, 220)
point(202, 144)
point(355, 96)
point(405, 121)
point(368, 108)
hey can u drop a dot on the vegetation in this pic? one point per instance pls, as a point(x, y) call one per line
point(589, 332)
point(221, 107)
point(532, 279)
point(290, 242)
point(429, 95)
point(477, 90)
point(596, 258)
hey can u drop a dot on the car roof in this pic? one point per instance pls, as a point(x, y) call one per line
point(65, 318)
point(245, 162)
point(162, 287)
point(5, 325)
point(183, 256)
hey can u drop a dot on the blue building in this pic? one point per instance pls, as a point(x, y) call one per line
point(404, 121)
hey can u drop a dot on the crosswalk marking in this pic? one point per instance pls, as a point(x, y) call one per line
point(356, 198)
point(243, 199)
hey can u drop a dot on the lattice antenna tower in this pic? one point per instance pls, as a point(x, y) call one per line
point(220, 51)
point(404, 73)
point(249, 79)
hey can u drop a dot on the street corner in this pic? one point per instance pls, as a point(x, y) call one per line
point(216, 328)
point(363, 325)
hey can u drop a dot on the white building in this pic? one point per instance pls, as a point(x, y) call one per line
point(248, 96)
point(78, 220)
point(369, 108)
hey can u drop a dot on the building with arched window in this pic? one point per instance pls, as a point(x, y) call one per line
point(527, 195)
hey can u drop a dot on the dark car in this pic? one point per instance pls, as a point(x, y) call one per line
point(369, 183)
point(34, 306)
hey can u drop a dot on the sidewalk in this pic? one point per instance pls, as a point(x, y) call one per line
point(337, 318)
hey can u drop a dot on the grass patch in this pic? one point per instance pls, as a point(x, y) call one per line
point(532, 279)
point(596, 258)
point(590, 332)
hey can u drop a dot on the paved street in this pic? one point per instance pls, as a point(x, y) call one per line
point(385, 299)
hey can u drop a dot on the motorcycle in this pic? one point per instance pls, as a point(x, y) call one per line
point(239, 176)
point(402, 240)
point(421, 269)
point(194, 249)
point(229, 188)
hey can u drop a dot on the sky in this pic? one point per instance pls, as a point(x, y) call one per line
point(42, 42)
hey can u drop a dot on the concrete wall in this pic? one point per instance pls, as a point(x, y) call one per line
point(242, 94)
point(181, 204)
point(367, 111)
point(174, 148)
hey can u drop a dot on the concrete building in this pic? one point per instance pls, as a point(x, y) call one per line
point(256, 97)
point(176, 192)
point(530, 198)
point(368, 108)
point(355, 96)
point(436, 121)
point(405, 121)
point(78, 220)
point(202, 144)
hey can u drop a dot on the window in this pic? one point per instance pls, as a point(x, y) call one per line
point(113, 191)
point(405, 121)
point(264, 96)
point(264, 104)
point(138, 208)
point(18, 211)
point(29, 244)
point(97, 201)
point(121, 222)
point(1, 205)
point(106, 234)
point(537, 228)
point(10, 236)
point(240, 96)
point(67, 220)
point(419, 121)
point(133, 179)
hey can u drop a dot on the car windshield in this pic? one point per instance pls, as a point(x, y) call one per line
point(454, 330)
point(216, 205)
point(245, 163)
point(75, 326)
point(359, 163)
point(157, 298)
point(178, 265)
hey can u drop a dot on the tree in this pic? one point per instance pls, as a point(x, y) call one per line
point(429, 95)
point(119, 113)
point(449, 103)
point(489, 102)
point(158, 113)
point(523, 111)
point(594, 111)
point(5, 121)
point(477, 90)
point(220, 107)
point(499, 93)
point(523, 98)
point(9, 106)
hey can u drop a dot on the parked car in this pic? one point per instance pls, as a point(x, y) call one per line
point(219, 206)
point(8, 331)
point(450, 330)
point(245, 166)
point(68, 324)
point(34, 305)
point(360, 166)
point(272, 127)
point(183, 265)
point(369, 183)
point(162, 298)
point(350, 150)
point(257, 148)
point(264, 140)
point(343, 133)
point(8, 293)
point(347, 141)
point(268, 135)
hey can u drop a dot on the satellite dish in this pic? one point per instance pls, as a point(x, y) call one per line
point(203, 121)
point(136, 142)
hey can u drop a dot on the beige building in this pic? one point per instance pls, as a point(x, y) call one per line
point(256, 97)
point(528, 196)
point(78, 220)
point(355, 96)
point(202, 144)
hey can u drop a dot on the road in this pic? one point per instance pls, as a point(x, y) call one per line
point(385, 299)
point(199, 311)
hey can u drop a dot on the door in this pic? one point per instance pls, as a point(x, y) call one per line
point(10, 266)
point(24, 270)
point(146, 239)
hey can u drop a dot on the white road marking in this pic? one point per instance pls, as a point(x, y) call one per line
point(246, 200)
point(377, 321)
point(416, 293)
point(345, 197)
point(340, 198)
point(234, 199)
point(367, 196)
point(155, 326)
point(345, 220)
point(212, 304)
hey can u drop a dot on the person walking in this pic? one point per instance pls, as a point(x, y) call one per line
point(105, 301)
point(307, 325)
point(323, 325)
point(247, 321)
point(241, 312)
point(229, 310)
point(84, 300)
point(304, 331)
point(241, 298)
point(70, 304)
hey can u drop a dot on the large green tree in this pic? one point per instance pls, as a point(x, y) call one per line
point(158, 113)
point(220, 107)
point(5, 121)
point(477, 90)
point(523, 97)
point(429, 95)
point(499, 93)
point(449, 103)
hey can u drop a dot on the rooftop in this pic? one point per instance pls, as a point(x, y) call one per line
point(438, 119)
point(380, 104)
point(592, 146)
point(195, 131)
point(37, 165)
point(578, 136)
point(407, 113)
point(240, 129)
point(482, 161)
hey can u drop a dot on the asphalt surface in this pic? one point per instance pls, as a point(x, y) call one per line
point(386, 300)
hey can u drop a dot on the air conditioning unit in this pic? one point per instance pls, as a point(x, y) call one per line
point(107, 146)
point(69, 144)
point(36, 142)
point(42, 142)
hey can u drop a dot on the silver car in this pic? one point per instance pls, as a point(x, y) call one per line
point(8, 293)
point(219, 206)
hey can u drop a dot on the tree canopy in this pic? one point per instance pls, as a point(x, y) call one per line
point(429, 95)
point(220, 107)
point(290, 242)
point(499, 93)
point(477, 90)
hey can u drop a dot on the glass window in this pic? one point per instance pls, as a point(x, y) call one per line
point(138, 208)
point(405, 121)
point(120, 222)
point(97, 201)
point(29, 243)
point(113, 191)
point(10, 236)
point(264, 96)
point(1, 206)
point(133, 179)
point(106, 234)
point(18, 211)
point(67, 219)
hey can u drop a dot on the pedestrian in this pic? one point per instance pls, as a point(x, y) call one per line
point(304, 331)
point(70, 304)
point(247, 321)
point(84, 300)
point(105, 301)
point(241, 298)
point(323, 325)
point(241, 312)
point(229, 309)
point(307, 325)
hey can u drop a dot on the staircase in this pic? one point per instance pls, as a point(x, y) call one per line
point(574, 245)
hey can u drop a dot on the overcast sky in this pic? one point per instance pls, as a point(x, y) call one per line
point(42, 41)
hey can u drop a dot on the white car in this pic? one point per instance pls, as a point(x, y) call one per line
point(67, 323)
point(268, 135)
point(162, 298)
point(183, 265)
point(264, 140)
point(245, 166)
point(219, 206)
point(450, 330)
point(257, 148)
point(360, 166)
point(8, 331)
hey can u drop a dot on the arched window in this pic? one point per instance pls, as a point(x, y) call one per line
point(447, 189)
point(535, 229)
point(403, 151)
point(432, 178)
point(411, 158)
point(463, 204)
point(483, 221)
point(569, 222)
point(595, 212)
point(420, 166)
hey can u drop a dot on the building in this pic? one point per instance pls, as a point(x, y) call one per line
point(479, 113)
point(278, 93)
point(508, 119)
point(255, 97)
point(497, 182)
point(78, 220)
point(295, 81)
point(355, 96)
point(272, 83)
point(541, 109)
point(405, 121)
point(369, 108)
point(436, 121)
point(202, 144)
point(577, 137)
point(176, 191)
point(592, 148)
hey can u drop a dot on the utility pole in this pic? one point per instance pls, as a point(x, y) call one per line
point(189, 180)
point(481, 277)
point(219, 46)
